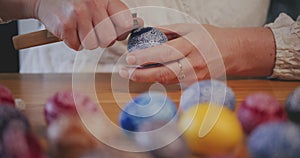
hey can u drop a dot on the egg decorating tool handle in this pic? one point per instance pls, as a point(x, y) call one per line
point(34, 39)
point(45, 37)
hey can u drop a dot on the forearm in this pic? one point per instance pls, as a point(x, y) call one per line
point(246, 51)
point(17, 9)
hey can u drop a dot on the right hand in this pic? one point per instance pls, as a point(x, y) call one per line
point(85, 23)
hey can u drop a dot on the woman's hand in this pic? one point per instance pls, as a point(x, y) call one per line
point(85, 23)
point(195, 52)
point(188, 56)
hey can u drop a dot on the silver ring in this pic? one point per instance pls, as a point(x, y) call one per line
point(181, 74)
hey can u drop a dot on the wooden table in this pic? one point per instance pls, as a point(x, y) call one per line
point(35, 89)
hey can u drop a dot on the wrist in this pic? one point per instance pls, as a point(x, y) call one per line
point(229, 46)
point(257, 48)
point(246, 51)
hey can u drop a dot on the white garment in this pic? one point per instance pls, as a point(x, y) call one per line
point(287, 37)
point(57, 57)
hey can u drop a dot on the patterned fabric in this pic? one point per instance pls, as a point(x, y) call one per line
point(145, 37)
point(287, 37)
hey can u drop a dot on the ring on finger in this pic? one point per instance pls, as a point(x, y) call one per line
point(181, 74)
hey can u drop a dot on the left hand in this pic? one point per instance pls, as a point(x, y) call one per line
point(190, 55)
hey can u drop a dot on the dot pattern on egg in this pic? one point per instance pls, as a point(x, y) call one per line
point(145, 37)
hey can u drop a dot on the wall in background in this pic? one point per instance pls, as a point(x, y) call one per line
point(290, 7)
point(9, 57)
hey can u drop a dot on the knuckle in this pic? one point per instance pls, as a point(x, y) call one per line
point(126, 24)
point(106, 42)
point(78, 10)
point(198, 66)
point(67, 26)
point(164, 77)
point(136, 78)
point(195, 63)
point(72, 44)
point(90, 3)
point(90, 46)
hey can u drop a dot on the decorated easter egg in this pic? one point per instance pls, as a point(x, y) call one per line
point(211, 129)
point(9, 114)
point(6, 96)
point(148, 106)
point(293, 105)
point(17, 138)
point(145, 37)
point(207, 91)
point(68, 137)
point(65, 103)
point(259, 108)
point(275, 140)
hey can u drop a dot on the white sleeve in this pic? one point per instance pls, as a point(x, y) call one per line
point(286, 32)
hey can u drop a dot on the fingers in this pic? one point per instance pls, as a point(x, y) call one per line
point(199, 59)
point(160, 74)
point(169, 51)
point(104, 29)
point(122, 19)
point(86, 34)
point(86, 23)
point(111, 22)
point(174, 72)
point(71, 39)
point(123, 36)
point(101, 24)
point(68, 32)
point(120, 16)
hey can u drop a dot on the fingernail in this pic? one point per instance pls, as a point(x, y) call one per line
point(130, 59)
point(124, 74)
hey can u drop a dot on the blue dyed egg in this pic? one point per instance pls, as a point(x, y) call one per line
point(207, 91)
point(293, 105)
point(145, 37)
point(149, 106)
point(275, 140)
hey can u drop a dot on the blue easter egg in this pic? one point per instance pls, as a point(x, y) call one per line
point(145, 37)
point(207, 91)
point(293, 105)
point(275, 140)
point(149, 106)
